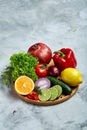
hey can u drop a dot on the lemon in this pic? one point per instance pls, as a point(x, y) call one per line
point(71, 76)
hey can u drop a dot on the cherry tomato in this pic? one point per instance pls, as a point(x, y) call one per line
point(33, 96)
point(41, 70)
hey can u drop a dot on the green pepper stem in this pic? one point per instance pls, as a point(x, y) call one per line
point(61, 54)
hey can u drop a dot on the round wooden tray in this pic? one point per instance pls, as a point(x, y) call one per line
point(61, 99)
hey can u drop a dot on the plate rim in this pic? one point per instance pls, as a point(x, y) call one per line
point(61, 99)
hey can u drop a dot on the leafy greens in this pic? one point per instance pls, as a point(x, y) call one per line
point(20, 64)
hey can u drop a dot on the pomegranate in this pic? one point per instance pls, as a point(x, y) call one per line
point(41, 51)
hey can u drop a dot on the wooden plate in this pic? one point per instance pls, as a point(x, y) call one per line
point(61, 99)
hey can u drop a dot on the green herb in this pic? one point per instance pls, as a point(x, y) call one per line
point(37, 89)
point(20, 64)
point(6, 76)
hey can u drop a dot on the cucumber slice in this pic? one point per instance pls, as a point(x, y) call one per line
point(59, 89)
point(54, 93)
point(45, 95)
point(65, 87)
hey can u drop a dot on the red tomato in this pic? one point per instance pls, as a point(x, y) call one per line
point(41, 70)
point(33, 96)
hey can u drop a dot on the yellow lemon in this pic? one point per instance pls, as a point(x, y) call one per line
point(24, 85)
point(71, 76)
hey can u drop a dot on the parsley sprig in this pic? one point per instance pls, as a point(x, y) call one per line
point(20, 64)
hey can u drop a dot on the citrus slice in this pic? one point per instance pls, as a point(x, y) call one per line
point(45, 95)
point(59, 89)
point(54, 93)
point(24, 85)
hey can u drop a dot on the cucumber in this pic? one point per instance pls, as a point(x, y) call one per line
point(65, 87)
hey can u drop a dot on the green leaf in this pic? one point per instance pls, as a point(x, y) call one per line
point(37, 89)
point(20, 64)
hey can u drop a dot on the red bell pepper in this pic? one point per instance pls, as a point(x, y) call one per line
point(65, 58)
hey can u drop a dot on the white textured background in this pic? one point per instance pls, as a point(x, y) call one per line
point(58, 23)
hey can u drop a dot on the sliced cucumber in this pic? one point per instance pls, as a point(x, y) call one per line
point(65, 87)
point(45, 95)
point(54, 93)
point(59, 89)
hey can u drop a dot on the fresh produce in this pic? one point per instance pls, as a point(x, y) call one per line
point(51, 93)
point(45, 96)
point(59, 89)
point(20, 64)
point(24, 85)
point(71, 76)
point(41, 70)
point(33, 95)
point(64, 58)
point(41, 51)
point(41, 76)
point(54, 93)
point(53, 71)
point(66, 89)
point(43, 83)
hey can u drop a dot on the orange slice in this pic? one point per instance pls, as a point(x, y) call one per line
point(24, 85)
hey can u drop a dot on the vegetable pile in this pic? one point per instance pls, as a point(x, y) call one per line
point(21, 63)
point(44, 75)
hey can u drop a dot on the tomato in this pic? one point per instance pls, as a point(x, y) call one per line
point(41, 70)
point(33, 96)
point(41, 51)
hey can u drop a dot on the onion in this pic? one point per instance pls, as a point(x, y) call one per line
point(43, 83)
point(53, 71)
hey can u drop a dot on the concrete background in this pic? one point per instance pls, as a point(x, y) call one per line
point(57, 23)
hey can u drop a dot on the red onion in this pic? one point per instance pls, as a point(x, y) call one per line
point(43, 83)
point(53, 71)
